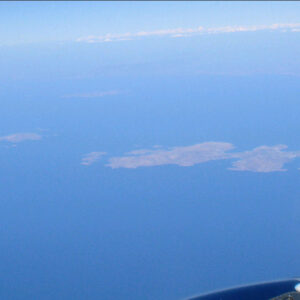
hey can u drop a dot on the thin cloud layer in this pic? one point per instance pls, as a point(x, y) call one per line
point(21, 137)
point(186, 32)
point(92, 95)
point(261, 159)
point(91, 158)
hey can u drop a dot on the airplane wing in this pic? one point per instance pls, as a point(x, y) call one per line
point(275, 290)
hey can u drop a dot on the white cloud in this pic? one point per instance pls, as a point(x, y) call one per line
point(261, 159)
point(20, 137)
point(91, 158)
point(185, 32)
point(92, 95)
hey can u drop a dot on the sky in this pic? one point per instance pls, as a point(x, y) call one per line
point(148, 150)
point(30, 22)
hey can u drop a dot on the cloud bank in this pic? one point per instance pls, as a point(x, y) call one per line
point(186, 32)
point(20, 137)
point(91, 158)
point(262, 159)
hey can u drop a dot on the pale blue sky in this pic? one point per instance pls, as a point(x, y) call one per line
point(65, 21)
